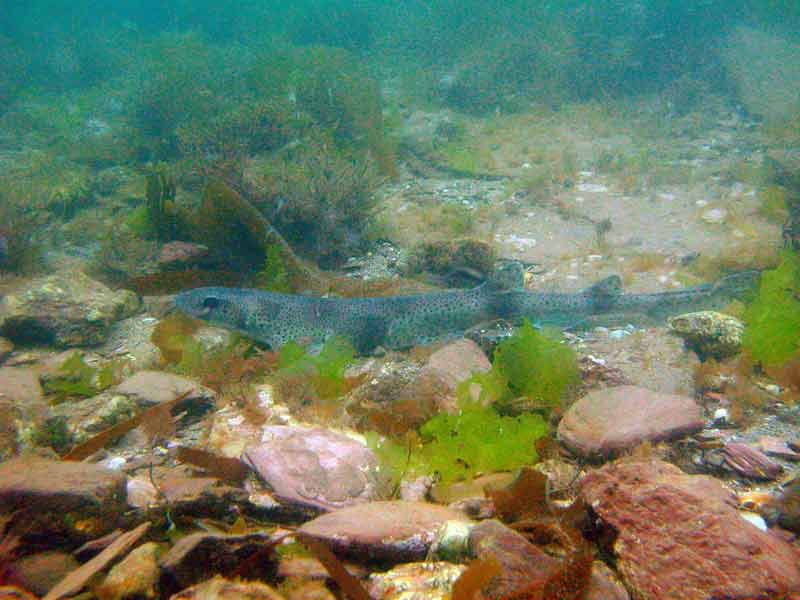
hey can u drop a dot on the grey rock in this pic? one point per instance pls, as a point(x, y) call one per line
point(65, 309)
point(710, 334)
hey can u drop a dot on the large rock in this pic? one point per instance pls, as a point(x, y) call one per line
point(22, 408)
point(394, 531)
point(680, 536)
point(60, 498)
point(315, 468)
point(710, 334)
point(610, 420)
point(64, 309)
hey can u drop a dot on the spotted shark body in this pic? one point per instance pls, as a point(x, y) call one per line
point(404, 321)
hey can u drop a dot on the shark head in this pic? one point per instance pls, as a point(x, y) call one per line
point(217, 305)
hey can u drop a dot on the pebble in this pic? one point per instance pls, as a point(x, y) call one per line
point(715, 216)
point(754, 518)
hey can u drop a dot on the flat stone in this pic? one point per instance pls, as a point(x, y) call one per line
point(79, 500)
point(394, 531)
point(314, 467)
point(20, 385)
point(608, 421)
point(64, 309)
point(149, 388)
point(680, 536)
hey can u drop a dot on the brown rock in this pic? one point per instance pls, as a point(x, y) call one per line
point(136, 575)
point(520, 560)
point(428, 580)
point(395, 531)
point(607, 421)
point(6, 348)
point(680, 536)
point(197, 556)
point(219, 588)
point(79, 500)
point(40, 572)
point(315, 468)
point(398, 396)
point(181, 254)
point(749, 462)
point(20, 385)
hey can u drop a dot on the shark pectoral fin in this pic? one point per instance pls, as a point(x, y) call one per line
point(370, 333)
point(605, 292)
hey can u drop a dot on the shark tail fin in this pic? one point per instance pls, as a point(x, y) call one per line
point(605, 292)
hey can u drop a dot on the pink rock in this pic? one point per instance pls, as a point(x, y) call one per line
point(749, 462)
point(455, 362)
point(181, 254)
point(396, 531)
point(680, 536)
point(315, 467)
point(607, 421)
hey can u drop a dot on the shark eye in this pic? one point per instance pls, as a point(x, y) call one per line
point(210, 302)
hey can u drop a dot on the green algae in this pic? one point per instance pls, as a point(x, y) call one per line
point(531, 364)
point(772, 335)
point(77, 379)
point(274, 276)
point(455, 447)
point(325, 370)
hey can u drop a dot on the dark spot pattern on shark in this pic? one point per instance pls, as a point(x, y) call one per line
point(399, 322)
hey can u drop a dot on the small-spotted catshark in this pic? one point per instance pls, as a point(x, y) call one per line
point(404, 321)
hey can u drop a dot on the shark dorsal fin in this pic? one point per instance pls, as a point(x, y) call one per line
point(507, 275)
point(605, 292)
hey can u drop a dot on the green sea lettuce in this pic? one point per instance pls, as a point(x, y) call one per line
point(772, 334)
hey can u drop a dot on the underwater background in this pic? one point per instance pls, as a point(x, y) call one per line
point(594, 206)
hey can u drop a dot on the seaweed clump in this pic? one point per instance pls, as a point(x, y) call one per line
point(75, 378)
point(446, 446)
point(772, 335)
point(530, 364)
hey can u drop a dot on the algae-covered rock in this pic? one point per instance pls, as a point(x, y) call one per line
point(710, 334)
point(65, 309)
